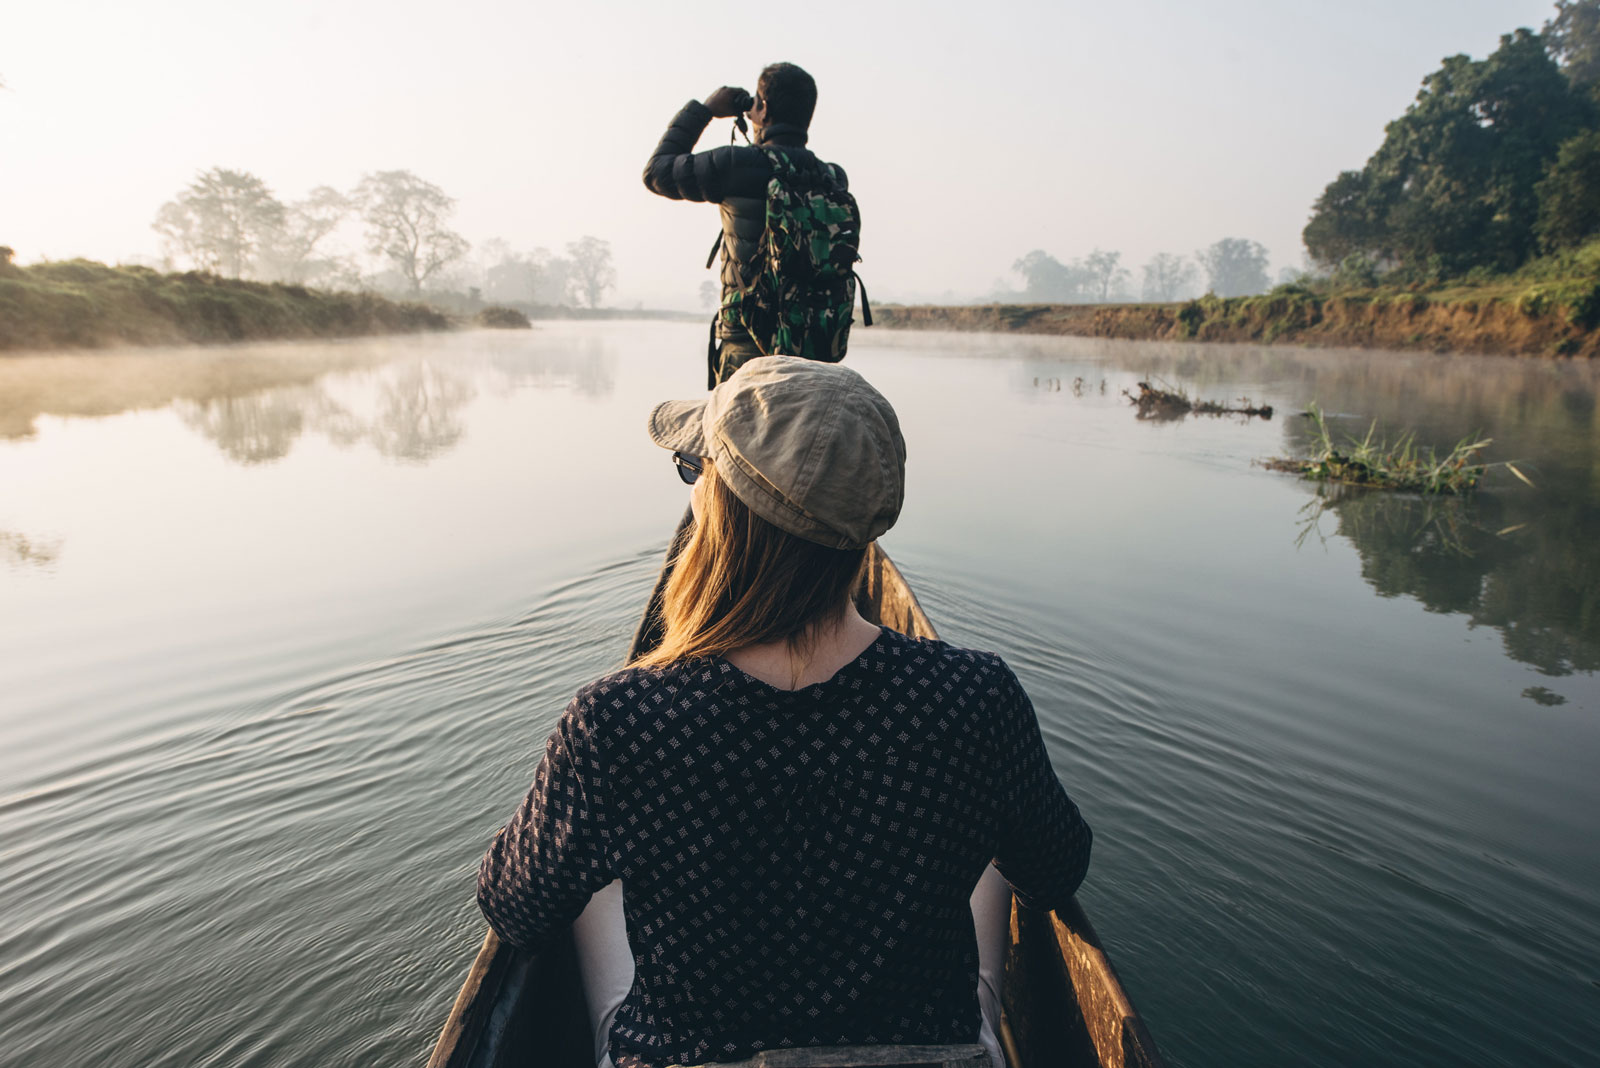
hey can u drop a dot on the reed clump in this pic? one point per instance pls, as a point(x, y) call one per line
point(1378, 464)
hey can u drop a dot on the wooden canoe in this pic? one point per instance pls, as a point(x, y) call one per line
point(1063, 1004)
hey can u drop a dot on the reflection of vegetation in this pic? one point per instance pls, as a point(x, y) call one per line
point(251, 430)
point(1543, 696)
point(1378, 465)
point(418, 414)
point(23, 551)
point(416, 419)
point(1521, 564)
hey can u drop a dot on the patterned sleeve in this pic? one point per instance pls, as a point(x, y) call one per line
point(1044, 842)
point(545, 863)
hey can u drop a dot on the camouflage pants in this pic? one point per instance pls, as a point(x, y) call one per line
point(731, 355)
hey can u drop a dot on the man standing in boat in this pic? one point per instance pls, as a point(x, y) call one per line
point(789, 290)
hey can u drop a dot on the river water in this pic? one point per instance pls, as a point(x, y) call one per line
point(284, 627)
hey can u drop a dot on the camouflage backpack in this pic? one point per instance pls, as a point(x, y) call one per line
point(800, 293)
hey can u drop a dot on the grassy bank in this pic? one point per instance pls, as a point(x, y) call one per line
point(83, 304)
point(1550, 308)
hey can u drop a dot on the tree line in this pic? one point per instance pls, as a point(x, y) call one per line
point(1495, 162)
point(1230, 267)
point(229, 222)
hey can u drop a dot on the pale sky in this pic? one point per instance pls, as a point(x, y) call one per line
point(972, 133)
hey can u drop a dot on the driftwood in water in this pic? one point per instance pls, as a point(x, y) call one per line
point(1164, 404)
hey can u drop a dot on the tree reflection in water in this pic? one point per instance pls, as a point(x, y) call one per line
point(1518, 563)
point(19, 550)
point(253, 429)
point(418, 414)
point(416, 417)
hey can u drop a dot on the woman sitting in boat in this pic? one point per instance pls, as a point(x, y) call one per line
point(799, 814)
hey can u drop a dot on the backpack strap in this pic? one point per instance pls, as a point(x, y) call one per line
point(711, 354)
point(716, 248)
point(866, 308)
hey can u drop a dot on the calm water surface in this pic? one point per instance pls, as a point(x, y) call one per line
point(284, 628)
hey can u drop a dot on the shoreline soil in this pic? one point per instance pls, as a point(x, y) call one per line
point(1521, 324)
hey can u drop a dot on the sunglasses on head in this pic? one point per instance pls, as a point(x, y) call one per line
point(689, 467)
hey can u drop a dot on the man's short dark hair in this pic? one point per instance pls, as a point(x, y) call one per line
point(790, 94)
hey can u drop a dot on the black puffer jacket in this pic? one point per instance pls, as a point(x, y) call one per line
point(733, 177)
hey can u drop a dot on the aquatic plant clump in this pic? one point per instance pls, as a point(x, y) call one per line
point(1379, 465)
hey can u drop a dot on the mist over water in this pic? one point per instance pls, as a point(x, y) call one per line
point(286, 626)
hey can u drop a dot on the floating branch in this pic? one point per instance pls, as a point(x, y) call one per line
point(1168, 403)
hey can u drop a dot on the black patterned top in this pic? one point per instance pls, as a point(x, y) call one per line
point(795, 864)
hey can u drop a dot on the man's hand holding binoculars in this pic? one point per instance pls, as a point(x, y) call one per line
point(728, 102)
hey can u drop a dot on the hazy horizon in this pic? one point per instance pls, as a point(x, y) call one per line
point(970, 137)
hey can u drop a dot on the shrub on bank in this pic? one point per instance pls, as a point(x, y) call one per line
point(499, 317)
point(83, 304)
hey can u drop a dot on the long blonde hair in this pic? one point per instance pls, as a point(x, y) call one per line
point(742, 581)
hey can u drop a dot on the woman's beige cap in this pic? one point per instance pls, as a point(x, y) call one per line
point(810, 447)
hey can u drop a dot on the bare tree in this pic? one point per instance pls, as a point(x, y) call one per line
point(592, 272)
point(1167, 277)
point(220, 221)
point(406, 219)
point(1105, 272)
point(708, 294)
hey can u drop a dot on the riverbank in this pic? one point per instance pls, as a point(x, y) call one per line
point(82, 304)
point(1500, 320)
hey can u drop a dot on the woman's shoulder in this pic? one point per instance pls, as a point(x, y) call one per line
point(626, 687)
point(977, 664)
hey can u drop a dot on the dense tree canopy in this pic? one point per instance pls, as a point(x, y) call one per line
point(1573, 37)
point(1456, 183)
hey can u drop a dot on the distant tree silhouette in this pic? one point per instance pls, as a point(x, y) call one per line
point(1234, 267)
point(406, 221)
point(1167, 277)
point(592, 272)
point(1105, 273)
point(220, 221)
point(290, 252)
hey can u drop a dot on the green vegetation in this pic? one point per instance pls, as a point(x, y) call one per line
point(83, 304)
point(1380, 465)
point(502, 318)
point(1496, 161)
